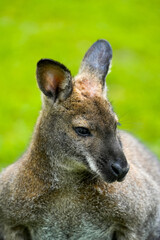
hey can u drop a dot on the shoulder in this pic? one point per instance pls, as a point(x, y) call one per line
point(139, 155)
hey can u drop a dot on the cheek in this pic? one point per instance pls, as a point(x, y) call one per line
point(119, 141)
point(93, 147)
point(70, 143)
point(66, 141)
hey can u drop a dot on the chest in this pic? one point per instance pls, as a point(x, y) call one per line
point(91, 213)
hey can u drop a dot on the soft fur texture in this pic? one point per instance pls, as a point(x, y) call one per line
point(65, 186)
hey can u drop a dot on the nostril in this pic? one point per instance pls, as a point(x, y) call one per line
point(117, 170)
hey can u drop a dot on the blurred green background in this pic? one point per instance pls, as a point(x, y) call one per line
point(64, 30)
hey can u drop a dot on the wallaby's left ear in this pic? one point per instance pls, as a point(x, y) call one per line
point(54, 79)
point(97, 60)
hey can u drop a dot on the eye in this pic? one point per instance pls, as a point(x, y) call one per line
point(82, 131)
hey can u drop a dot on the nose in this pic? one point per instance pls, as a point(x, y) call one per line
point(118, 171)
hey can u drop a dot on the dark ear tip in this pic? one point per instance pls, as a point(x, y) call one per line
point(105, 45)
point(46, 62)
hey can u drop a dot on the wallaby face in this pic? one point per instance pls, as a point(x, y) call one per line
point(77, 119)
point(68, 185)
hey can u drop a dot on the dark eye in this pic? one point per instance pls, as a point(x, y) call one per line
point(82, 131)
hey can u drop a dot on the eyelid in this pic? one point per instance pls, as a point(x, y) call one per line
point(80, 121)
point(79, 131)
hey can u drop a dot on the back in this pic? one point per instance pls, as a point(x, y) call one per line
point(138, 155)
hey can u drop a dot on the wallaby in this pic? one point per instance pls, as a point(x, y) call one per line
point(80, 178)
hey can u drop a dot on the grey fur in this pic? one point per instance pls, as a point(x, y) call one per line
point(63, 187)
point(97, 59)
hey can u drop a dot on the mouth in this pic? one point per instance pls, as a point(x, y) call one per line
point(110, 177)
point(121, 179)
point(111, 172)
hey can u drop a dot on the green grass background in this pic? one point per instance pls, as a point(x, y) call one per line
point(63, 30)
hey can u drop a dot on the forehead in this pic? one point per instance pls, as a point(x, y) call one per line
point(91, 108)
point(87, 86)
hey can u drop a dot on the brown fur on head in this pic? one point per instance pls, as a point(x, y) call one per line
point(78, 126)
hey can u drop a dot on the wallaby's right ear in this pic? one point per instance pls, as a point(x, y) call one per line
point(54, 79)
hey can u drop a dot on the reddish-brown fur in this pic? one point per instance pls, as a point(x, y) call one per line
point(64, 186)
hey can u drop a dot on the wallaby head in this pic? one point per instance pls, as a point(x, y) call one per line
point(77, 127)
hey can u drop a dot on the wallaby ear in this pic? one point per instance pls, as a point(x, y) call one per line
point(97, 60)
point(54, 79)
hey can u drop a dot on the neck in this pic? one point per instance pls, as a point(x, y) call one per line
point(53, 171)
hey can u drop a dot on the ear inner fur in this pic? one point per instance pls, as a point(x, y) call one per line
point(54, 79)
